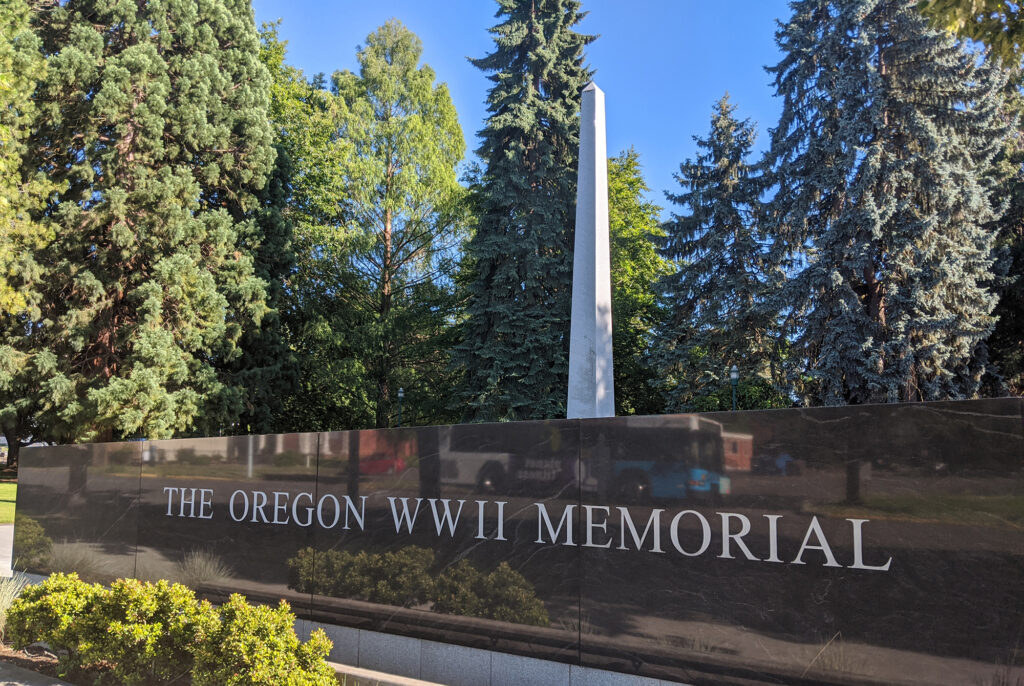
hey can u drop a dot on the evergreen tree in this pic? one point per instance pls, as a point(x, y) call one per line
point(715, 298)
point(515, 352)
point(153, 125)
point(879, 219)
point(1006, 344)
point(636, 268)
point(22, 193)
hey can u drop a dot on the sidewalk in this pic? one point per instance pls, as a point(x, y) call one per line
point(12, 675)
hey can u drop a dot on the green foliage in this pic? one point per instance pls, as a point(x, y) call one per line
point(756, 394)
point(882, 247)
point(516, 337)
point(392, 578)
point(404, 578)
point(137, 633)
point(32, 547)
point(145, 632)
point(152, 123)
point(1006, 344)
point(21, 193)
point(636, 268)
point(10, 588)
point(379, 217)
point(256, 646)
point(716, 296)
point(996, 23)
point(54, 612)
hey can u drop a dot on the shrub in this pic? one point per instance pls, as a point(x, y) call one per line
point(32, 547)
point(145, 632)
point(257, 646)
point(138, 633)
point(504, 594)
point(404, 578)
point(54, 612)
point(399, 577)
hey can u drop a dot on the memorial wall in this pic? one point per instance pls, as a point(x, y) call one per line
point(858, 545)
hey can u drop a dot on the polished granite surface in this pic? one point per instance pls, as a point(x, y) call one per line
point(856, 545)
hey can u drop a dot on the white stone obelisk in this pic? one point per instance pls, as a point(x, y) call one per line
point(591, 388)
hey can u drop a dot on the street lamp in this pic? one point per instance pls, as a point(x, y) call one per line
point(401, 396)
point(734, 377)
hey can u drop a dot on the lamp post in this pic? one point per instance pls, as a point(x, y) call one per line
point(734, 377)
point(401, 396)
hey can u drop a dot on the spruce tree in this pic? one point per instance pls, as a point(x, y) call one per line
point(715, 297)
point(153, 124)
point(515, 352)
point(879, 218)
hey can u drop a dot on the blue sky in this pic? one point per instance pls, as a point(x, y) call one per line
point(661, 63)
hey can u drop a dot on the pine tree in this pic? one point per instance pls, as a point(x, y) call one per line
point(515, 352)
point(636, 267)
point(879, 217)
point(715, 298)
point(153, 125)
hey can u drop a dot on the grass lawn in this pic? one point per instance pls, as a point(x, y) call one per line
point(8, 492)
point(990, 510)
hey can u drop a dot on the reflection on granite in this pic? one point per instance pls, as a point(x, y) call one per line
point(856, 545)
point(77, 509)
point(876, 544)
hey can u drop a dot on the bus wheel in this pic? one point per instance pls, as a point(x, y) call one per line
point(634, 488)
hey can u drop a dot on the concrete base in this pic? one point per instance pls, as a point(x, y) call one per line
point(457, 665)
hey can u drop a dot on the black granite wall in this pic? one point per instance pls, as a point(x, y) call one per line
point(857, 545)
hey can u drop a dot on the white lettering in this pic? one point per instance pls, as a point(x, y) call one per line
point(170, 491)
point(320, 511)
point(705, 528)
point(815, 528)
point(309, 510)
point(447, 516)
point(858, 549)
point(231, 505)
point(280, 507)
point(566, 521)
point(653, 525)
point(405, 516)
point(205, 502)
point(259, 500)
point(591, 525)
point(773, 537)
point(728, 535)
point(350, 508)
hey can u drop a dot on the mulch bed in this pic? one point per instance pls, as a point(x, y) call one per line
point(35, 659)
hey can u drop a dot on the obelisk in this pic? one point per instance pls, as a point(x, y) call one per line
point(591, 387)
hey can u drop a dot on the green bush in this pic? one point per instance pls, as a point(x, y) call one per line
point(404, 578)
point(54, 612)
point(146, 632)
point(257, 646)
point(393, 578)
point(138, 633)
point(31, 544)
